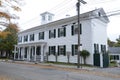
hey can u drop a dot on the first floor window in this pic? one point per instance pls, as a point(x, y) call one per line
point(74, 50)
point(52, 50)
point(62, 50)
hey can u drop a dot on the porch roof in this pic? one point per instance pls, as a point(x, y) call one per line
point(31, 44)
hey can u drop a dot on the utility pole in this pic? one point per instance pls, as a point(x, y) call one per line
point(78, 13)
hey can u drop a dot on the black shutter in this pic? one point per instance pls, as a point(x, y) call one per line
point(54, 33)
point(49, 34)
point(64, 31)
point(95, 48)
point(72, 50)
point(58, 32)
point(43, 35)
point(80, 28)
point(72, 30)
point(58, 50)
point(64, 50)
point(49, 50)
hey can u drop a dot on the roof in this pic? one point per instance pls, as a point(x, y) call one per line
point(114, 50)
point(46, 13)
point(94, 14)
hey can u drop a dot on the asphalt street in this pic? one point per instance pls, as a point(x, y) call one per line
point(14, 71)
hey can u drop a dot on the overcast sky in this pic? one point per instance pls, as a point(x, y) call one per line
point(30, 15)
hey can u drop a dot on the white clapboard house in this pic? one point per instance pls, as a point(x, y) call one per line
point(57, 40)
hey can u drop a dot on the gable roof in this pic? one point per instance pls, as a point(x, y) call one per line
point(94, 14)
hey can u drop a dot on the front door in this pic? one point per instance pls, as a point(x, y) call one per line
point(38, 53)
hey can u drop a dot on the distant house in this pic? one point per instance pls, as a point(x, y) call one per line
point(114, 53)
point(60, 38)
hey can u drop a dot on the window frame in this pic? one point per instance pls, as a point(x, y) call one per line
point(41, 36)
point(74, 29)
point(74, 49)
point(62, 31)
point(52, 50)
point(52, 33)
point(32, 37)
point(62, 50)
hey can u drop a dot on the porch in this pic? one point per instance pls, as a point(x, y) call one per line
point(30, 52)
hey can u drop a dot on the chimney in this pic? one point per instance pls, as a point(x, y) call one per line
point(46, 17)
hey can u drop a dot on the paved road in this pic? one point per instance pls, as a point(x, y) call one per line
point(13, 71)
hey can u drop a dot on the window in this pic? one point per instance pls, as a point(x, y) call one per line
point(43, 18)
point(41, 35)
point(103, 48)
point(50, 18)
point(74, 50)
point(26, 38)
point(96, 48)
point(74, 29)
point(52, 33)
point(62, 50)
point(62, 31)
point(115, 57)
point(52, 50)
point(19, 39)
point(32, 37)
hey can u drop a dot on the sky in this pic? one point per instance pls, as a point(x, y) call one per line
point(30, 14)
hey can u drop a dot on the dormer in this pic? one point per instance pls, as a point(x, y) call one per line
point(46, 17)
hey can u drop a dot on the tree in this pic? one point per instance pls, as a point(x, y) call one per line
point(84, 54)
point(110, 43)
point(7, 43)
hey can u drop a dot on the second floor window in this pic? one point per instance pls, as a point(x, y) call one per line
point(32, 37)
point(26, 38)
point(41, 35)
point(19, 39)
point(62, 31)
point(74, 29)
point(52, 33)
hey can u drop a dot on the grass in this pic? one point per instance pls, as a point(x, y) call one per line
point(113, 64)
point(70, 64)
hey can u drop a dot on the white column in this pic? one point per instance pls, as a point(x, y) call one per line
point(18, 53)
point(42, 54)
point(35, 54)
point(101, 60)
point(23, 52)
point(29, 52)
point(32, 52)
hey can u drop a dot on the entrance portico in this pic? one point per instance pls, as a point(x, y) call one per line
point(30, 51)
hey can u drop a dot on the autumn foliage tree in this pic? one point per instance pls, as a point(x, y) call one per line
point(8, 37)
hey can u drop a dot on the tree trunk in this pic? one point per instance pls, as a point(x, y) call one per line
point(56, 57)
point(84, 60)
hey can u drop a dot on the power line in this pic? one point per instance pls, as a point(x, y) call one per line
point(61, 10)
